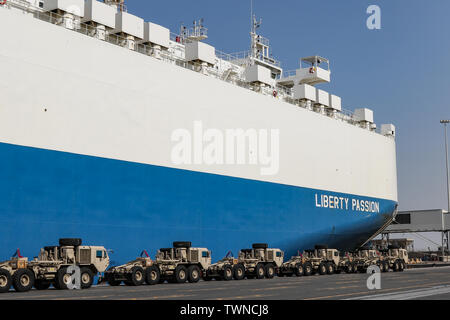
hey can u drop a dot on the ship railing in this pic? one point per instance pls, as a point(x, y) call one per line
point(234, 58)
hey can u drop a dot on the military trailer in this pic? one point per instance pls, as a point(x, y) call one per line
point(134, 273)
point(297, 265)
point(261, 261)
point(395, 258)
point(226, 269)
point(51, 267)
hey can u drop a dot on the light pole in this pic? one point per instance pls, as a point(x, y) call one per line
point(445, 122)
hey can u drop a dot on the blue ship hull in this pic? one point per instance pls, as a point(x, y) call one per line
point(128, 207)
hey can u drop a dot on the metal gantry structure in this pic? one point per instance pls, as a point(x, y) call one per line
point(445, 123)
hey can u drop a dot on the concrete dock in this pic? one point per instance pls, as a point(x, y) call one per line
point(421, 283)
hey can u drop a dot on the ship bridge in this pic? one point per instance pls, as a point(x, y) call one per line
point(313, 70)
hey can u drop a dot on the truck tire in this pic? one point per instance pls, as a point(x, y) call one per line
point(321, 247)
point(87, 278)
point(194, 274)
point(260, 271)
point(330, 268)
point(322, 269)
point(136, 277)
point(41, 284)
point(227, 273)
point(238, 272)
point(152, 275)
point(182, 244)
point(396, 266)
point(70, 242)
point(349, 268)
point(112, 281)
point(260, 246)
point(23, 280)
point(180, 275)
point(385, 266)
point(62, 279)
point(5, 280)
point(307, 269)
point(270, 271)
point(299, 270)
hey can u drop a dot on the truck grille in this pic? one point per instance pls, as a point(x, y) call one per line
point(194, 256)
point(85, 256)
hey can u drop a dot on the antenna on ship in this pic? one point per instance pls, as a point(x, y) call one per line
point(198, 32)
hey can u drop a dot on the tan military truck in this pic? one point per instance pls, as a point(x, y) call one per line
point(226, 269)
point(182, 262)
point(395, 258)
point(261, 261)
point(51, 267)
point(366, 257)
point(324, 260)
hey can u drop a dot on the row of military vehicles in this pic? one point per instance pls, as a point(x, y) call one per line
point(183, 263)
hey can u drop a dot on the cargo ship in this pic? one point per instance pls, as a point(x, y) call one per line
point(118, 131)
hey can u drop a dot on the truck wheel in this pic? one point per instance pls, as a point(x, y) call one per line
point(87, 278)
point(62, 279)
point(322, 269)
point(70, 242)
point(402, 266)
point(113, 282)
point(385, 266)
point(152, 275)
point(260, 271)
point(270, 271)
point(136, 277)
point(23, 280)
point(180, 274)
point(396, 266)
point(194, 274)
point(182, 244)
point(260, 246)
point(307, 269)
point(348, 268)
point(299, 270)
point(238, 272)
point(330, 268)
point(227, 273)
point(41, 284)
point(5, 280)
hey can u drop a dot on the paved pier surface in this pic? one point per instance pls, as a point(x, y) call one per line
point(428, 283)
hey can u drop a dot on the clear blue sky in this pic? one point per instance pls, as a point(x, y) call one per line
point(401, 71)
